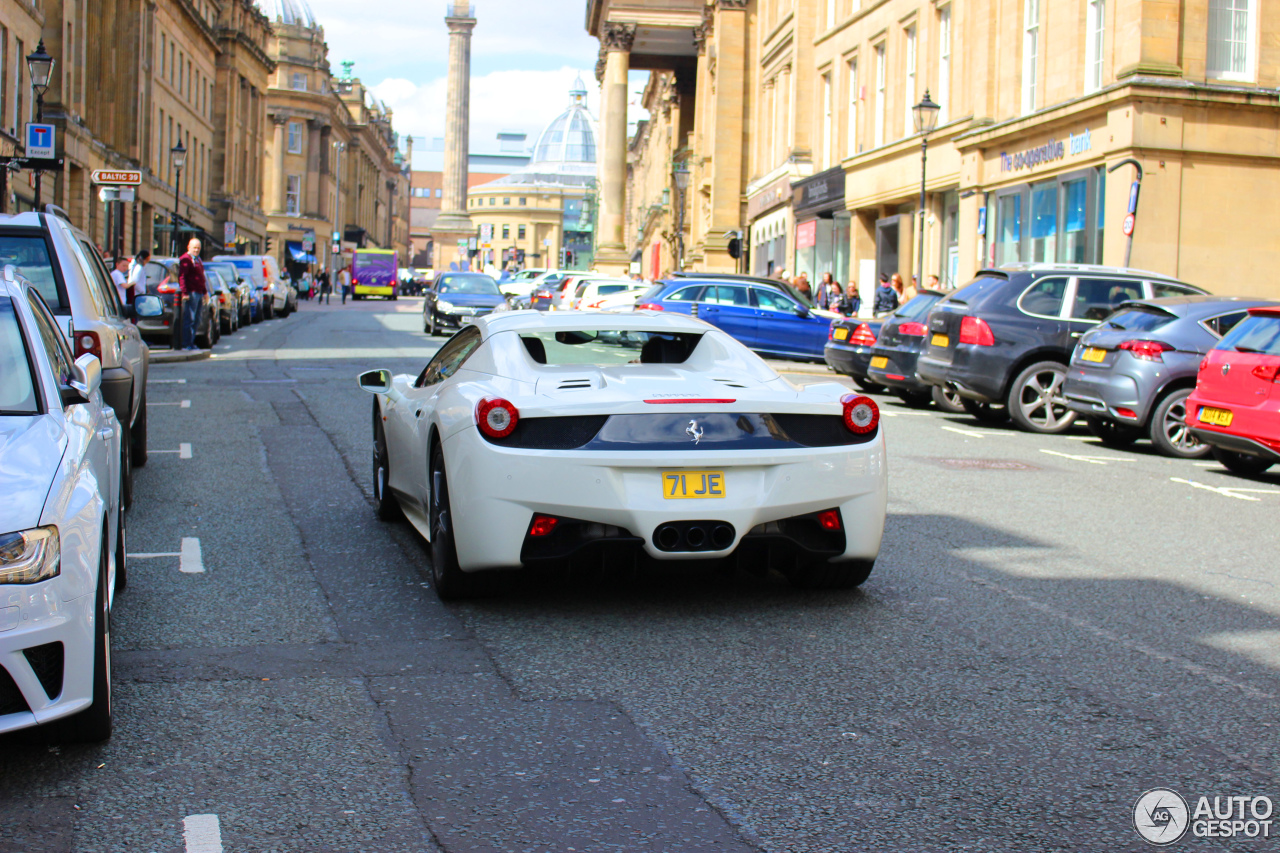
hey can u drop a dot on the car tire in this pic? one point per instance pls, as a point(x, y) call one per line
point(1036, 403)
point(986, 413)
point(947, 400)
point(1240, 463)
point(432, 329)
point(138, 436)
point(869, 386)
point(126, 469)
point(447, 577)
point(93, 724)
point(916, 400)
point(846, 574)
point(384, 501)
point(1113, 434)
point(1169, 431)
point(122, 551)
point(269, 309)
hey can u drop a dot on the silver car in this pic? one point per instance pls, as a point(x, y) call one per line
point(1131, 376)
point(62, 539)
point(65, 267)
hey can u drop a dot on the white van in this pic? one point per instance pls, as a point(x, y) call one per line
point(279, 298)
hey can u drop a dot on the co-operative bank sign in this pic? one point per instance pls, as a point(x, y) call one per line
point(1051, 151)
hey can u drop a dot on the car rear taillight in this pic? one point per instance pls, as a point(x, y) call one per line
point(1127, 413)
point(1146, 350)
point(649, 306)
point(1204, 362)
point(543, 525)
point(974, 330)
point(496, 417)
point(861, 414)
point(831, 332)
point(863, 336)
point(167, 288)
point(914, 330)
point(829, 519)
point(1267, 372)
point(354, 281)
point(88, 342)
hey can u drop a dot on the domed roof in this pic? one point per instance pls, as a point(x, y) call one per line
point(571, 137)
point(295, 12)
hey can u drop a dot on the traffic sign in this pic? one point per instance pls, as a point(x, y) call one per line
point(1127, 228)
point(40, 140)
point(117, 194)
point(122, 178)
point(228, 235)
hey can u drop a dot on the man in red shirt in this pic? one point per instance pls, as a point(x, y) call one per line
point(194, 290)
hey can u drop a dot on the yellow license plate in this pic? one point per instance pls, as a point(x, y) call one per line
point(841, 334)
point(1221, 417)
point(693, 484)
point(1094, 354)
point(879, 361)
point(940, 341)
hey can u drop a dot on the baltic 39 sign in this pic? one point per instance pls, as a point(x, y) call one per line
point(117, 177)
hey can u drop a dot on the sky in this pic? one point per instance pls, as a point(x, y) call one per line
point(525, 55)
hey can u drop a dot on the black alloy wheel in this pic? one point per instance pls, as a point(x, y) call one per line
point(1113, 434)
point(916, 400)
point(1240, 463)
point(93, 724)
point(1036, 402)
point(986, 413)
point(1169, 431)
point(138, 435)
point(384, 501)
point(447, 577)
point(947, 400)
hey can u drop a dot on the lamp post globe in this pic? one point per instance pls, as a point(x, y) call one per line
point(925, 117)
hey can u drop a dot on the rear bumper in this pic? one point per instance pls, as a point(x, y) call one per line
point(849, 360)
point(1237, 443)
point(1100, 394)
point(977, 377)
point(900, 372)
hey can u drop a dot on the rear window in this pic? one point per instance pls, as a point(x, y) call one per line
point(1139, 318)
point(1259, 333)
point(31, 256)
point(976, 289)
point(606, 289)
point(604, 348)
point(17, 384)
point(917, 307)
point(652, 293)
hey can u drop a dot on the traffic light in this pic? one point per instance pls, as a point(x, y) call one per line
point(563, 253)
point(735, 248)
point(568, 259)
point(271, 245)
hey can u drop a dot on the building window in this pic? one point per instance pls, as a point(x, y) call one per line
point(295, 137)
point(1232, 34)
point(520, 232)
point(943, 97)
point(299, 81)
point(523, 202)
point(1055, 221)
point(828, 150)
point(507, 202)
point(909, 82)
point(878, 139)
point(1095, 38)
point(1030, 53)
point(292, 195)
point(493, 201)
point(439, 193)
point(506, 232)
point(851, 132)
point(164, 45)
point(831, 13)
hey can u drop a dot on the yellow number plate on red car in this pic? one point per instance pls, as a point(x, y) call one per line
point(693, 484)
point(841, 334)
point(940, 341)
point(1094, 354)
point(879, 361)
point(1221, 417)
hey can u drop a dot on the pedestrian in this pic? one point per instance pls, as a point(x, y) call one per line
point(835, 295)
point(909, 292)
point(822, 298)
point(120, 275)
point(886, 296)
point(852, 302)
point(137, 284)
point(325, 287)
point(932, 282)
point(801, 284)
point(192, 285)
point(344, 281)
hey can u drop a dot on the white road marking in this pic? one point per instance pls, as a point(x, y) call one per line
point(151, 554)
point(183, 451)
point(1227, 491)
point(202, 833)
point(192, 560)
point(166, 382)
point(185, 404)
point(970, 432)
point(1092, 460)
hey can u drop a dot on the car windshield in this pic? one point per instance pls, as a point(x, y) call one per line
point(917, 307)
point(31, 256)
point(472, 283)
point(227, 271)
point(17, 384)
point(1138, 318)
point(1258, 333)
point(606, 348)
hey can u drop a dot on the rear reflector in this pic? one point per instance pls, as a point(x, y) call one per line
point(1127, 413)
point(679, 401)
point(829, 519)
point(649, 306)
point(543, 525)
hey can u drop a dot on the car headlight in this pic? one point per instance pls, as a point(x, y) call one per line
point(30, 556)
point(444, 305)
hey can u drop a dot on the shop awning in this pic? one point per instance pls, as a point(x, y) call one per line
point(297, 255)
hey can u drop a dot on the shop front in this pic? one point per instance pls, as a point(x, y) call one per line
point(769, 215)
point(822, 225)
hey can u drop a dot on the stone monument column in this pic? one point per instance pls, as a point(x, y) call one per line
point(454, 223)
point(611, 249)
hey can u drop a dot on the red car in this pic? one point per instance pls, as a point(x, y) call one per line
point(1236, 405)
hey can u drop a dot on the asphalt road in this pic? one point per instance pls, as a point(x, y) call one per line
point(1052, 628)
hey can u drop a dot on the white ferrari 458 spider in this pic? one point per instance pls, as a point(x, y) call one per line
point(533, 438)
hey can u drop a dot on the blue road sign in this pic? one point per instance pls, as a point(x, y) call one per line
point(40, 140)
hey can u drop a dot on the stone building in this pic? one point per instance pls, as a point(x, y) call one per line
point(21, 27)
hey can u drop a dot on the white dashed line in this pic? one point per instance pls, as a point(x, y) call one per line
point(149, 555)
point(191, 558)
point(1092, 460)
point(1227, 491)
point(183, 451)
point(185, 404)
point(970, 432)
point(202, 833)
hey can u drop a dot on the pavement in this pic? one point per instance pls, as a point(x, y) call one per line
point(1052, 628)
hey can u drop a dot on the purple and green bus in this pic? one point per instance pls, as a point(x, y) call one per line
point(373, 273)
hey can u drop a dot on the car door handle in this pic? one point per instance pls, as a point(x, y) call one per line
point(418, 413)
point(106, 433)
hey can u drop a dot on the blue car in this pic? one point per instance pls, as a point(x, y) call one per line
point(765, 315)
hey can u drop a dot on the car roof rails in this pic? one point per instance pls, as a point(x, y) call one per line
point(726, 275)
point(57, 211)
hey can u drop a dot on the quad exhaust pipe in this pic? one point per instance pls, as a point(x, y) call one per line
point(693, 536)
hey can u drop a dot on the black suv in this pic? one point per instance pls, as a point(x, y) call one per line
point(1005, 338)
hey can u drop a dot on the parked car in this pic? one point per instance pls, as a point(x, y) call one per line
point(62, 263)
point(244, 291)
point(280, 298)
point(592, 290)
point(761, 313)
point(456, 299)
point(1235, 408)
point(897, 347)
point(522, 283)
point(166, 327)
point(62, 542)
point(1132, 375)
point(527, 440)
point(848, 349)
point(227, 300)
point(1005, 338)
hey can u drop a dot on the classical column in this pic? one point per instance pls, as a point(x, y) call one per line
point(611, 250)
point(277, 168)
point(454, 222)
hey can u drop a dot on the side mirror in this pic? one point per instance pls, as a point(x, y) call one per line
point(375, 381)
point(148, 306)
point(86, 379)
point(802, 311)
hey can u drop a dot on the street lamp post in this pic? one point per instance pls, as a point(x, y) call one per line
point(179, 153)
point(680, 175)
point(925, 116)
point(40, 67)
